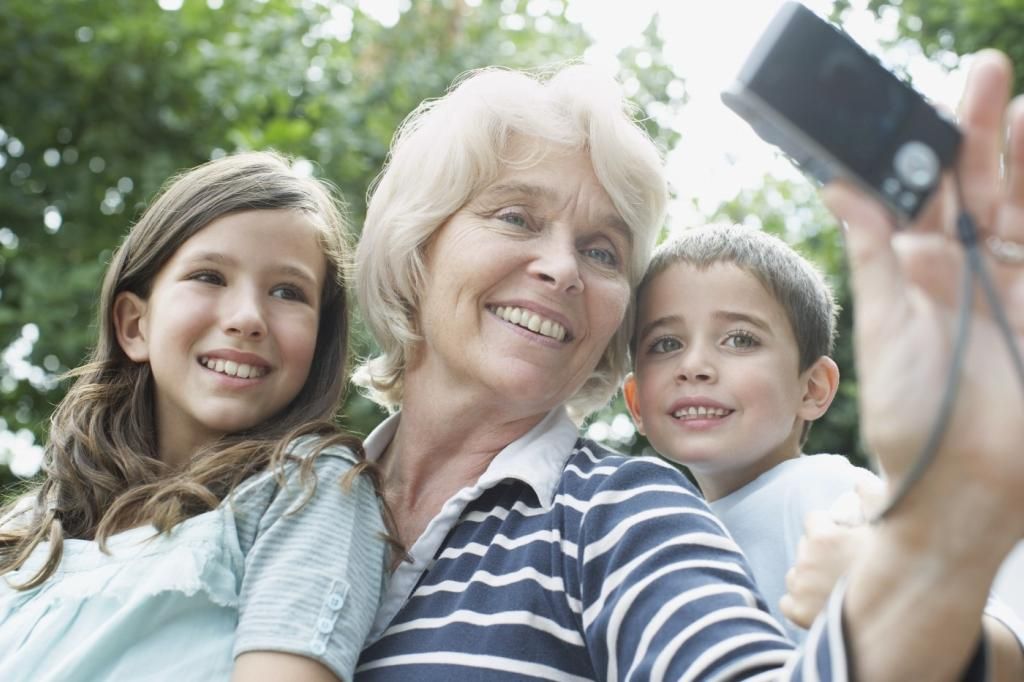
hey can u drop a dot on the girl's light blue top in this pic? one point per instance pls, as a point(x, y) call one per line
point(256, 574)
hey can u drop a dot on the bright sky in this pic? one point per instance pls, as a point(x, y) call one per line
point(718, 154)
point(706, 43)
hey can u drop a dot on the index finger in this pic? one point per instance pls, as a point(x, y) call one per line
point(986, 96)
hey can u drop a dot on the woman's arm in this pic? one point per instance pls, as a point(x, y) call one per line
point(915, 596)
point(269, 666)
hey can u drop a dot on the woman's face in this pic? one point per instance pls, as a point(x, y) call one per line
point(526, 285)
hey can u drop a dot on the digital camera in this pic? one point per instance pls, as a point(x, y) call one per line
point(810, 89)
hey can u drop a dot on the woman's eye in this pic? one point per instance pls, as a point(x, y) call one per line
point(741, 340)
point(207, 277)
point(666, 344)
point(289, 292)
point(514, 218)
point(602, 256)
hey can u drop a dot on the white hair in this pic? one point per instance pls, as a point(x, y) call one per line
point(451, 148)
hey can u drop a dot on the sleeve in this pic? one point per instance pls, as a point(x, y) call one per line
point(648, 534)
point(313, 577)
point(996, 608)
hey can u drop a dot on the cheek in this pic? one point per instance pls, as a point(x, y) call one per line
point(608, 306)
point(299, 344)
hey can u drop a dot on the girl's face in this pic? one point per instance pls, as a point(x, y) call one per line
point(229, 328)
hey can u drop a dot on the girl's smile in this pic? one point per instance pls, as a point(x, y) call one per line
point(229, 327)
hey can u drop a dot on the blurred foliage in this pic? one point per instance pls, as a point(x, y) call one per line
point(948, 28)
point(101, 101)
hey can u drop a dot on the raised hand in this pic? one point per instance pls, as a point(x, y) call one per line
point(906, 288)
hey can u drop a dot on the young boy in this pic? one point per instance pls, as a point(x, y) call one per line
point(731, 365)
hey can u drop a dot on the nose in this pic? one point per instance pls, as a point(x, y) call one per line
point(243, 315)
point(695, 365)
point(557, 264)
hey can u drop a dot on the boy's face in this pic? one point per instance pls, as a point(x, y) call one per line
point(717, 385)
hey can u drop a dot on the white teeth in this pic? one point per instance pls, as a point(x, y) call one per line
point(700, 412)
point(232, 368)
point(532, 321)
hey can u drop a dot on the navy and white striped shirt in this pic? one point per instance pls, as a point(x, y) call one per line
point(568, 562)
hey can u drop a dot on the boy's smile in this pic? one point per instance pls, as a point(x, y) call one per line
point(717, 385)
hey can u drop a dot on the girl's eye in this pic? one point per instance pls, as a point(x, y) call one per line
point(602, 256)
point(741, 340)
point(207, 277)
point(665, 344)
point(289, 292)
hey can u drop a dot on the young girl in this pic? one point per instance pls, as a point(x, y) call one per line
point(191, 524)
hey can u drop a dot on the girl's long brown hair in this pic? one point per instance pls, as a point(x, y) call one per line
point(101, 471)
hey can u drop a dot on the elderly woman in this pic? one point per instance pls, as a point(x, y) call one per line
point(495, 271)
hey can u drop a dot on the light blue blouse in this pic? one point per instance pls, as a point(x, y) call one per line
point(257, 573)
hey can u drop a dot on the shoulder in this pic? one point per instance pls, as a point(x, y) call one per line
point(307, 447)
point(815, 482)
point(834, 472)
point(308, 453)
point(594, 466)
point(312, 480)
point(607, 486)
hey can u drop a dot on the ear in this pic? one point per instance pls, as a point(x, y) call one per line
point(130, 326)
point(633, 402)
point(821, 381)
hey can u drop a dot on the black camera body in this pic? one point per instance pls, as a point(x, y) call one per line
point(811, 90)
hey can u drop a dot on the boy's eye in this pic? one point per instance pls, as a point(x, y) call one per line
point(665, 344)
point(289, 292)
point(741, 340)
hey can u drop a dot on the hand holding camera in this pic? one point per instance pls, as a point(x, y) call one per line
point(940, 368)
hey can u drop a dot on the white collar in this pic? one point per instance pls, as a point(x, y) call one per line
point(537, 459)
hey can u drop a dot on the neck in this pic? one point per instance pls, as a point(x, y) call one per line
point(717, 482)
point(443, 444)
point(177, 454)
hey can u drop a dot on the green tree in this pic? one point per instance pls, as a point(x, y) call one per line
point(102, 101)
point(946, 29)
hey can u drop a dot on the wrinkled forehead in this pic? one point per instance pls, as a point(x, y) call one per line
point(556, 176)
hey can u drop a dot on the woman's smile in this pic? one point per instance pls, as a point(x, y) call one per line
point(536, 323)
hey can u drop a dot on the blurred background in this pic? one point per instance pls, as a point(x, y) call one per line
point(102, 100)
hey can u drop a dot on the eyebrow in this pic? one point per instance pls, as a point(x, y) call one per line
point(609, 220)
point(224, 260)
point(726, 315)
point(733, 316)
point(653, 324)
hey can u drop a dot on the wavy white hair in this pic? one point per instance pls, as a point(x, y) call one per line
point(451, 148)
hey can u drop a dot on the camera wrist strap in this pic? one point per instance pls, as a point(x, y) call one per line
point(967, 235)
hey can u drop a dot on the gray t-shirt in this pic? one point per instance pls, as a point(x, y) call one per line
point(313, 579)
